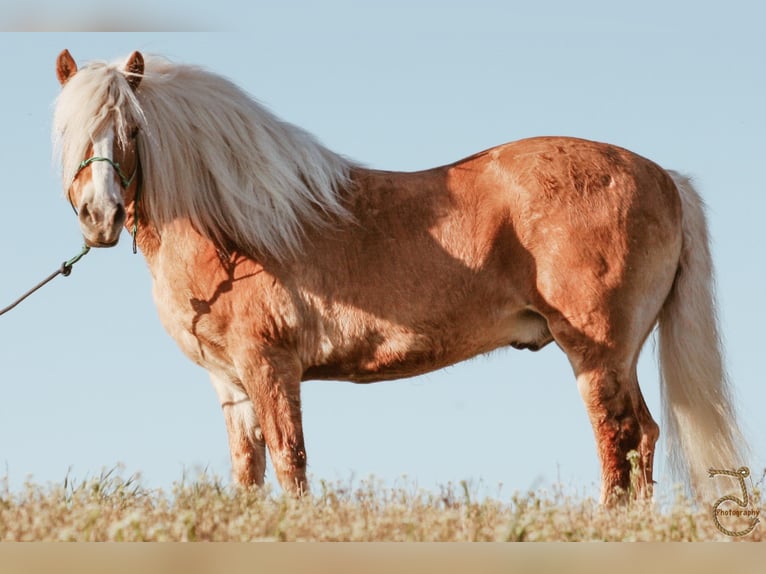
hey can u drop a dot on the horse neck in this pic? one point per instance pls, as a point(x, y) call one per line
point(178, 241)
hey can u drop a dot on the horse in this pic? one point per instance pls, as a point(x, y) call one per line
point(275, 260)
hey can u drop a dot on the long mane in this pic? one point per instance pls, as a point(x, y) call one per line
point(209, 153)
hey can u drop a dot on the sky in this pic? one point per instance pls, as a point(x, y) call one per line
point(90, 380)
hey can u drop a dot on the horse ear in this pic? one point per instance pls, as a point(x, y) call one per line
point(134, 69)
point(66, 67)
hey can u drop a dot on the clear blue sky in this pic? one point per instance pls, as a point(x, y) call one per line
point(88, 377)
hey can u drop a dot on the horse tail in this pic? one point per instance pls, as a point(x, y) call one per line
point(698, 413)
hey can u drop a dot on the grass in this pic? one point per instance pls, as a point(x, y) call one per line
point(112, 507)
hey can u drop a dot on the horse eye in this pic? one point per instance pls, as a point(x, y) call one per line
point(133, 132)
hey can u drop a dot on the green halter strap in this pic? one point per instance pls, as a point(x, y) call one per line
point(124, 181)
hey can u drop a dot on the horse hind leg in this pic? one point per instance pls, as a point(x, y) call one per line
point(621, 423)
point(603, 345)
point(602, 331)
point(246, 445)
point(650, 432)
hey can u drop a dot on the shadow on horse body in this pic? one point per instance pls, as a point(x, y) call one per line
point(275, 261)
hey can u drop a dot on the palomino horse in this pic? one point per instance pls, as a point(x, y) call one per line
point(275, 260)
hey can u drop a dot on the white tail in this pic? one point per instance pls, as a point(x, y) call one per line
point(699, 418)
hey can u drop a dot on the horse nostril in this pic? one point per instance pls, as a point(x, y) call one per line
point(84, 212)
point(119, 215)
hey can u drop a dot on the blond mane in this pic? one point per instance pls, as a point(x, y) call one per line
point(209, 153)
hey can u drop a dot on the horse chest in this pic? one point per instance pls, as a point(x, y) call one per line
point(194, 324)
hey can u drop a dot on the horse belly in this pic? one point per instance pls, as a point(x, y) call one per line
point(371, 357)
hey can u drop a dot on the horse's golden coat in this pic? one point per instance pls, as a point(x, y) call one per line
point(540, 240)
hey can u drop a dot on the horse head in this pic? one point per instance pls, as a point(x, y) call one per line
point(107, 175)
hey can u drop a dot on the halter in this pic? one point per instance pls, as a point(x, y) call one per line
point(124, 181)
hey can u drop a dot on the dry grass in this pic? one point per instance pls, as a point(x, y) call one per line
point(114, 508)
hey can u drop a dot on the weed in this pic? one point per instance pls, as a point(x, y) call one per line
point(109, 507)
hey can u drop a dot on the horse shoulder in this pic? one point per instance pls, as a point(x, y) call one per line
point(218, 305)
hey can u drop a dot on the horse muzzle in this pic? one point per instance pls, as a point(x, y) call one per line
point(101, 227)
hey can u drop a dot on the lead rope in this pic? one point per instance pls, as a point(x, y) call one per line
point(65, 270)
point(66, 266)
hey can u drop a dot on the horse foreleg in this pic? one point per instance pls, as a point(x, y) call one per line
point(274, 387)
point(246, 444)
